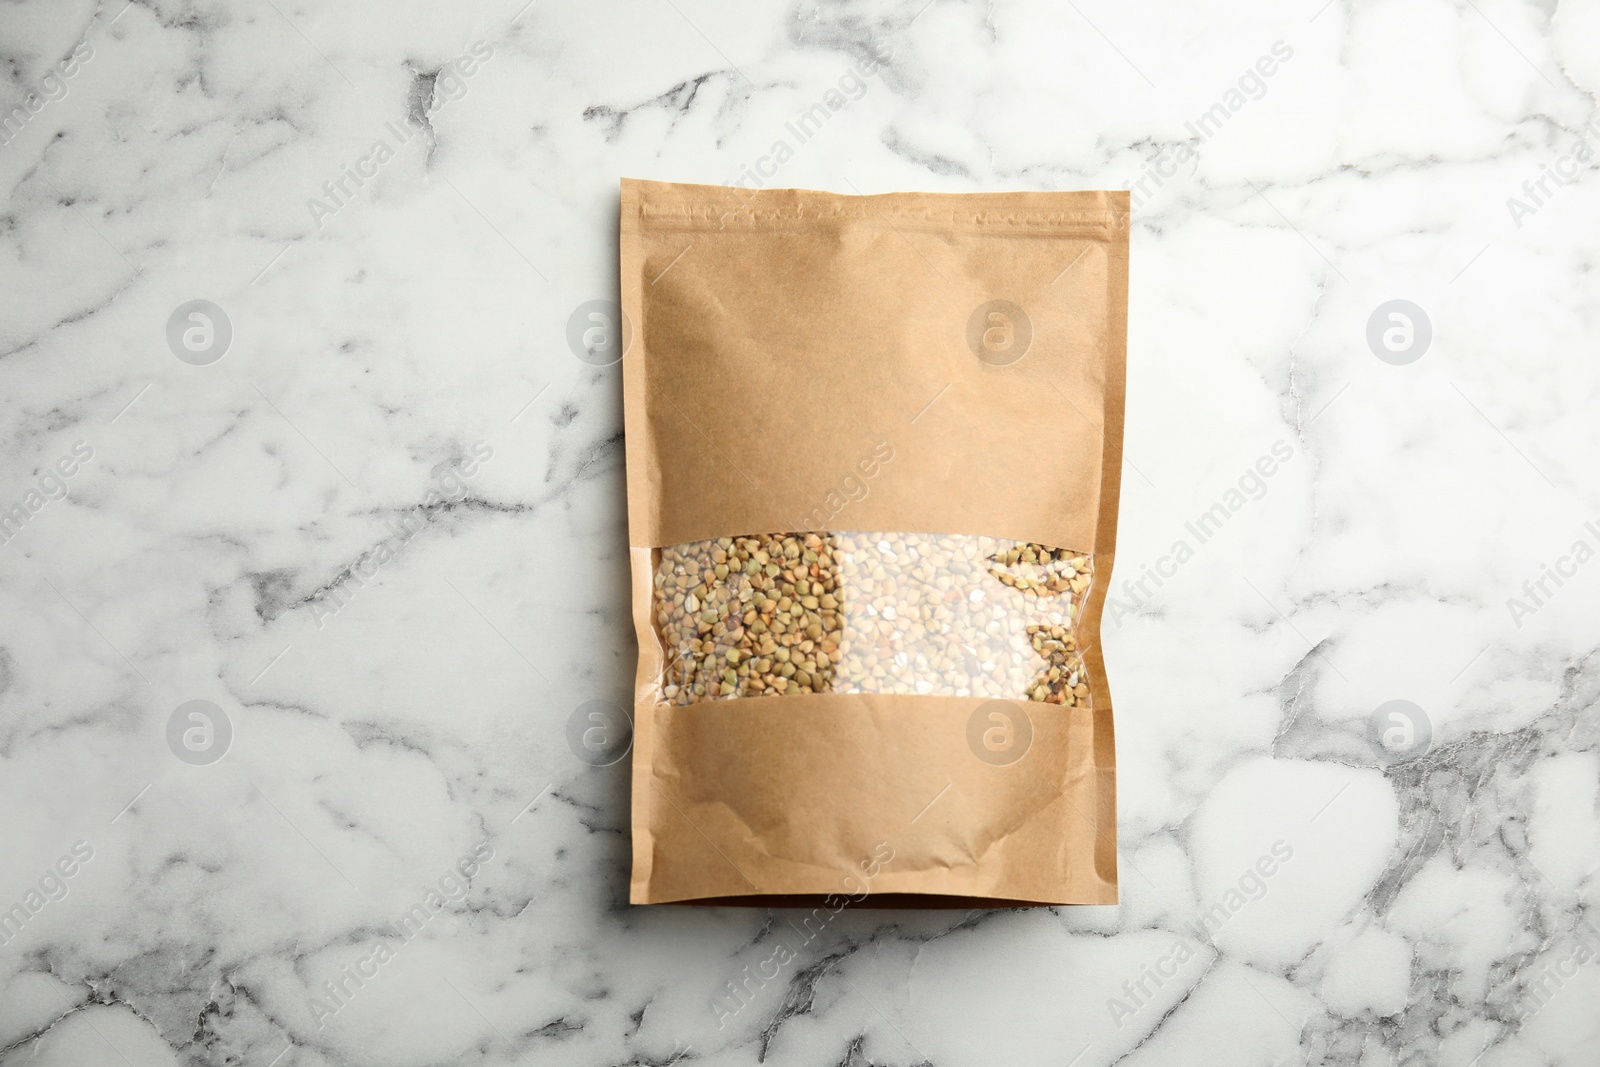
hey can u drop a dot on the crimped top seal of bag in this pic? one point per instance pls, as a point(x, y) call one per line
point(666, 205)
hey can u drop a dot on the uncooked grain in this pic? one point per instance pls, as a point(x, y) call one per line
point(849, 612)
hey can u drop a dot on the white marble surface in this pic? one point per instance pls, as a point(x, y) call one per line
point(391, 730)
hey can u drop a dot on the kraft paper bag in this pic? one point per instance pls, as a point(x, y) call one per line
point(873, 461)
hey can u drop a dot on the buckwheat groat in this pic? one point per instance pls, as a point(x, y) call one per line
point(926, 614)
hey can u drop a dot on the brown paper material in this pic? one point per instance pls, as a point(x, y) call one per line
point(779, 341)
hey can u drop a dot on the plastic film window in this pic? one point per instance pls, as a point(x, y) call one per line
point(849, 612)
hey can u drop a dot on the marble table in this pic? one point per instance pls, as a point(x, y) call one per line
point(312, 536)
